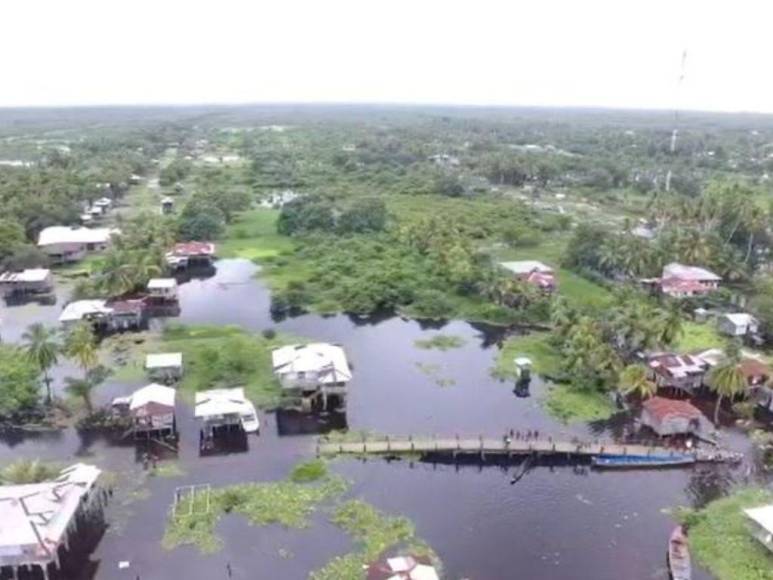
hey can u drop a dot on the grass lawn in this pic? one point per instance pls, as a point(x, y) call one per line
point(697, 336)
point(721, 540)
point(570, 403)
point(253, 236)
point(226, 356)
point(213, 357)
point(536, 346)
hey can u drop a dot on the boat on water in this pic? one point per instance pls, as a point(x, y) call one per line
point(679, 564)
point(641, 461)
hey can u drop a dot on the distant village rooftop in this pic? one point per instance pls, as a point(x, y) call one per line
point(682, 272)
point(522, 267)
point(193, 249)
point(71, 235)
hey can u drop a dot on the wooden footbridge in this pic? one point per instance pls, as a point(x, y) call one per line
point(501, 447)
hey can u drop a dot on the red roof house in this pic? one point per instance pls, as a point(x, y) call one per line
point(670, 416)
point(197, 249)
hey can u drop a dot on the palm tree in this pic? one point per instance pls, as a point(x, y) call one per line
point(82, 388)
point(81, 344)
point(634, 380)
point(115, 275)
point(144, 265)
point(671, 327)
point(727, 380)
point(42, 349)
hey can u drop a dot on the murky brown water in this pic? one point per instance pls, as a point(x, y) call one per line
point(559, 521)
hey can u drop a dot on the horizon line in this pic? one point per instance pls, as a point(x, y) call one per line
point(383, 104)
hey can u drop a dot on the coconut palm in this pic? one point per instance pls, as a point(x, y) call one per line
point(144, 265)
point(82, 388)
point(80, 344)
point(42, 348)
point(634, 380)
point(726, 380)
point(115, 276)
point(671, 325)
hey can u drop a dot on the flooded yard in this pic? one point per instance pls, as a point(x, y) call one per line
point(562, 520)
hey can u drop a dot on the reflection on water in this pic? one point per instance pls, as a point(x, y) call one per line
point(289, 423)
point(559, 520)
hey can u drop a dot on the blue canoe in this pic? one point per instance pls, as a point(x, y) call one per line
point(641, 461)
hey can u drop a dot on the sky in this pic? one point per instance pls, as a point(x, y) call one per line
point(589, 53)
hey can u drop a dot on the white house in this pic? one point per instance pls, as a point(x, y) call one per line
point(30, 281)
point(680, 281)
point(38, 520)
point(84, 310)
point(162, 289)
point(67, 244)
point(737, 324)
point(151, 409)
point(116, 315)
point(533, 272)
point(762, 524)
point(218, 408)
point(312, 370)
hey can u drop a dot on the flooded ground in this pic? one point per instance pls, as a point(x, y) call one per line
point(559, 521)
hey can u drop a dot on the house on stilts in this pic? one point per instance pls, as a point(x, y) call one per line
point(312, 374)
point(39, 522)
point(151, 410)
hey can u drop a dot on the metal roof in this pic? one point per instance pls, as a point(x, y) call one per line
point(327, 360)
point(68, 235)
point(153, 393)
point(762, 515)
point(29, 275)
point(161, 283)
point(164, 360)
point(526, 267)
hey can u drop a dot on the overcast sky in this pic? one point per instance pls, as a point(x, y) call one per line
point(620, 53)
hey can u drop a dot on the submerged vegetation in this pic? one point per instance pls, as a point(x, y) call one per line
point(284, 502)
point(28, 471)
point(374, 533)
point(721, 540)
point(441, 342)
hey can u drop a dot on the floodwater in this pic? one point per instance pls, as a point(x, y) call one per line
point(559, 521)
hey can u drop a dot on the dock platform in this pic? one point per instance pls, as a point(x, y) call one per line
point(483, 446)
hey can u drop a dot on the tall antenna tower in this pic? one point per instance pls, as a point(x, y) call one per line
point(675, 132)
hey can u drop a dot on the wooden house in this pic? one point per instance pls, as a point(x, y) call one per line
point(671, 417)
point(31, 281)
